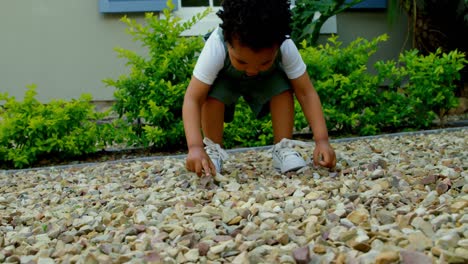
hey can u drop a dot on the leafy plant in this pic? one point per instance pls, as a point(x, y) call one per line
point(246, 130)
point(150, 97)
point(308, 17)
point(407, 94)
point(428, 81)
point(341, 79)
point(31, 129)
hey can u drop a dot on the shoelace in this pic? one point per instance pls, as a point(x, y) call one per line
point(286, 146)
point(215, 150)
point(291, 143)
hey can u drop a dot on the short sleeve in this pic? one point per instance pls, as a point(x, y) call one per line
point(211, 59)
point(291, 59)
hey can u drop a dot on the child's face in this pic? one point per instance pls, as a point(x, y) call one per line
point(251, 62)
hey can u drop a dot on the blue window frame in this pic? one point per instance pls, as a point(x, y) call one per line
point(370, 4)
point(123, 6)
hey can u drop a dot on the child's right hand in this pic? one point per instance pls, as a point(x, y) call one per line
point(199, 162)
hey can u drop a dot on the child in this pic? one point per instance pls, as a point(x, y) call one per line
point(250, 55)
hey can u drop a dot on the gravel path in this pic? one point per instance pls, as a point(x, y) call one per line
point(398, 199)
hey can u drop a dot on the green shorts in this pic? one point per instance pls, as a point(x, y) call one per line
point(257, 91)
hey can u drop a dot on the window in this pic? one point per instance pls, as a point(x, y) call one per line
point(122, 6)
point(188, 8)
point(370, 4)
point(192, 3)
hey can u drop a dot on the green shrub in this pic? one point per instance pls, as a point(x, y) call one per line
point(246, 130)
point(427, 83)
point(407, 94)
point(151, 96)
point(30, 129)
point(347, 90)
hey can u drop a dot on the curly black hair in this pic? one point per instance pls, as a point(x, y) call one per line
point(257, 24)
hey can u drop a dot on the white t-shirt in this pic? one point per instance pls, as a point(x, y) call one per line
point(213, 54)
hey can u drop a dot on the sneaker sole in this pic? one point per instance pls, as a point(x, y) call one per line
point(289, 169)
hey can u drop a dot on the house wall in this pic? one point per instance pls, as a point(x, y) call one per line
point(66, 47)
point(370, 24)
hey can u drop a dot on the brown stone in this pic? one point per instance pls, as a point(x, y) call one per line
point(387, 257)
point(429, 179)
point(361, 246)
point(358, 217)
point(203, 248)
point(301, 255)
point(341, 258)
point(320, 249)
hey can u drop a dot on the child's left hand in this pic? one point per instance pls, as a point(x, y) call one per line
point(324, 155)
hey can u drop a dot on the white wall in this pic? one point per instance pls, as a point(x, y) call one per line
point(66, 47)
point(371, 24)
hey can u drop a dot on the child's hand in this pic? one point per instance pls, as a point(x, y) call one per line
point(324, 155)
point(199, 162)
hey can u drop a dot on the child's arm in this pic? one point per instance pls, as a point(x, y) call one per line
point(324, 154)
point(197, 159)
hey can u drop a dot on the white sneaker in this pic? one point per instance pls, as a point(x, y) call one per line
point(216, 153)
point(285, 158)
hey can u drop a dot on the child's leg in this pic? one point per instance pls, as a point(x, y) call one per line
point(282, 115)
point(212, 119)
